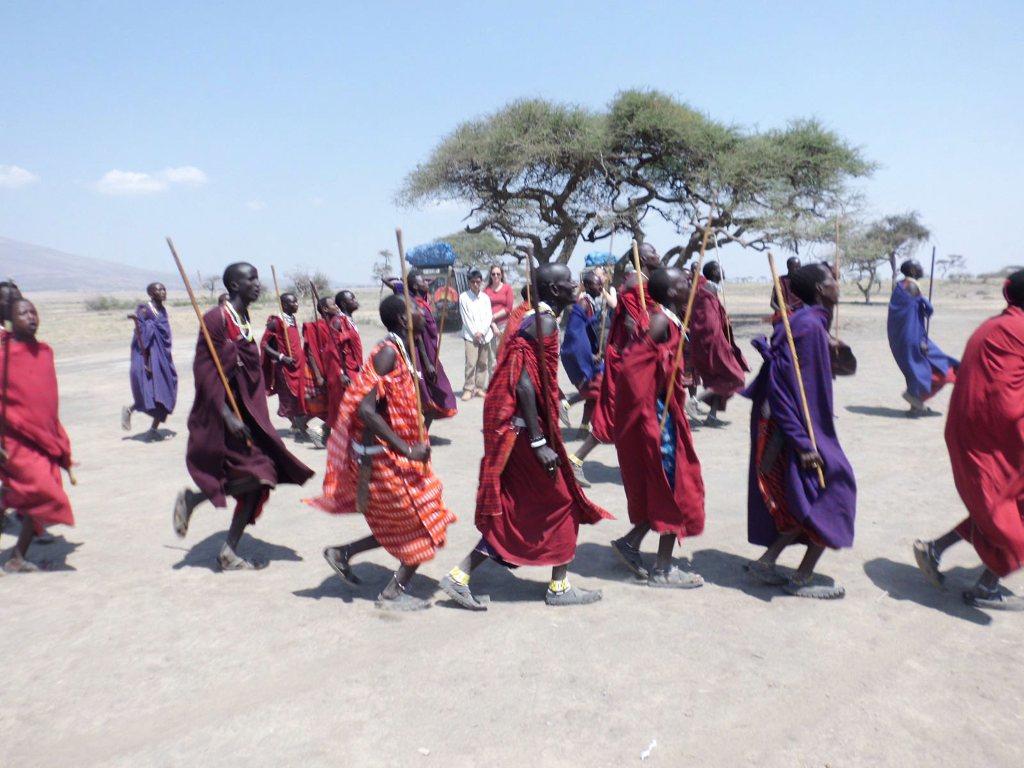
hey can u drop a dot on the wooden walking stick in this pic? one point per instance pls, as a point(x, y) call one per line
point(410, 336)
point(444, 316)
point(784, 311)
point(640, 279)
point(287, 341)
point(604, 305)
point(542, 363)
point(678, 359)
point(837, 267)
point(206, 335)
point(931, 285)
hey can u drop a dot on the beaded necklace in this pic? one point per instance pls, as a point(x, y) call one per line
point(244, 328)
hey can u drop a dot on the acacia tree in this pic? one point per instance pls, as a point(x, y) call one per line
point(476, 249)
point(553, 174)
point(898, 236)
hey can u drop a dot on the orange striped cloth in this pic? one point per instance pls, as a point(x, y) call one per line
point(404, 508)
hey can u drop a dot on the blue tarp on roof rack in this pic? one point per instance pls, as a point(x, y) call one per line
point(431, 255)
point(600, 259)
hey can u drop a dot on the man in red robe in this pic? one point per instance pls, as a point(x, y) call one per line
point(281, 349)
point(321, 343)
point(33, 444)
point(529, 506)
point(985, 439)
point(660, 469)
point(629, 323)
point(350, 345)
point(227, 455)
point(714, 355)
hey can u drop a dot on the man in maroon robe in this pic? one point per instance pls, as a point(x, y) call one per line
point(529, 506)
point(660, 469)
point(985, 438)
point(34, 446)
point(350, 345)
point(281, 349)
point(713, 352)
point(629, 323)
point(227, 455)
point(321, 342)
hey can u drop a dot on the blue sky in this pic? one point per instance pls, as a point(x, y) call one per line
point(280, 132)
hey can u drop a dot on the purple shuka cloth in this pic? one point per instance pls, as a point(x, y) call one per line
point(906, 324)
point(439, 393)
point(154, 379)
point(214, 458)
point(830, 512)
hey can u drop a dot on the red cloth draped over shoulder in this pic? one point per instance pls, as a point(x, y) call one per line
point(643, 379)
point(322, 346)
point(525, 514)
point(37, 445)
point(215, 458)
point(713, 352)
point(985, 438)
point(404, 508)
point(515, 319)
point(350, 345)
point(276, 329)
point(619, 337)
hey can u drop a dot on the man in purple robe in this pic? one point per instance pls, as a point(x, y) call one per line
point(786, 504)
point(230, 456)
point(153, 375)
point(436, 395)
point(925, 367)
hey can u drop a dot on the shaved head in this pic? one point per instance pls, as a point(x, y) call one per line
point(662, 282)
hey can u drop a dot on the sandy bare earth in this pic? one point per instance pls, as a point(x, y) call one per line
point(133, 651)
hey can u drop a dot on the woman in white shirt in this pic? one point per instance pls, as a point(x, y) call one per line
point(475, 310)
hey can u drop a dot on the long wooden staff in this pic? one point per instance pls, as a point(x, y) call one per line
point(444, 316)
point(604, 304)
point(678, 360)
point(410, 336)
point(538, 332)
point(837, 268)
point(931, 285)
point(8, 329)
point(284, 325)
point(784, 311)
point(640, 279)
point(206, 334)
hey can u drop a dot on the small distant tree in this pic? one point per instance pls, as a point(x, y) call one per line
point(210, 283)
point(299, 280)
point(953, 264)
point(898, 236)
point(382, 267)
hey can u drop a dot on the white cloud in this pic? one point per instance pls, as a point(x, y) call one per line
point(256, 205)
point(116, 182)
point(316, 202)
point(186, 174)
point(13, 176)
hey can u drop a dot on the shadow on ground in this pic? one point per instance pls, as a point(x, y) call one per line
point(50, 553)
point(596, 472)
point(889, 413)
point(204, 554)
point(903, 581)
point(144, 437)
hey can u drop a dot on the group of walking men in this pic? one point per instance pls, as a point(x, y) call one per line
point(529, 501)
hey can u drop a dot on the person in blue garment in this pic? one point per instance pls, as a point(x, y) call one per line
point(154, 378)
point(926, 368)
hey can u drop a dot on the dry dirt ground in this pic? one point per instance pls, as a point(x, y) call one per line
point(131, 650)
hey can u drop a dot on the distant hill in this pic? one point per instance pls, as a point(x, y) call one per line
point(37, 268)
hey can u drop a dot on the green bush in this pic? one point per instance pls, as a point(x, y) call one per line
point(109, 303)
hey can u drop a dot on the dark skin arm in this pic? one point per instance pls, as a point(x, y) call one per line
point(429, 372)
point(526, 402)
point(280, 356)
point(376, 425)
point(317, 376)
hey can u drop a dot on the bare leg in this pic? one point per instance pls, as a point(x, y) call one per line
point(395, 598)
point(763, 569)
point(628, 550)
point(666, 544)
point(801, 584)
point(945, 541)
point(589, 444)
point(184, 504)
point(17, 562)
point(455, 583)
point(811, 557)
point(929, 553)
point(244, 514)
point(561, 592)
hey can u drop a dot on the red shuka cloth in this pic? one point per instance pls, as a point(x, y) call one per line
point(619, 337)
point(527, 516)
point(322, 346)
point(216, 459)
point(985, 438)
point(276, 376)
point(643, 378)
point(404, 507)
point(37, 445)
point(713, 352)
point(350, 345)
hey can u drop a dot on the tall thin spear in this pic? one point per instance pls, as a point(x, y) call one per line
point(410, 336)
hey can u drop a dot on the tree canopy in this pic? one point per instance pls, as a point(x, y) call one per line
point(889, 239)
point(553, 174)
